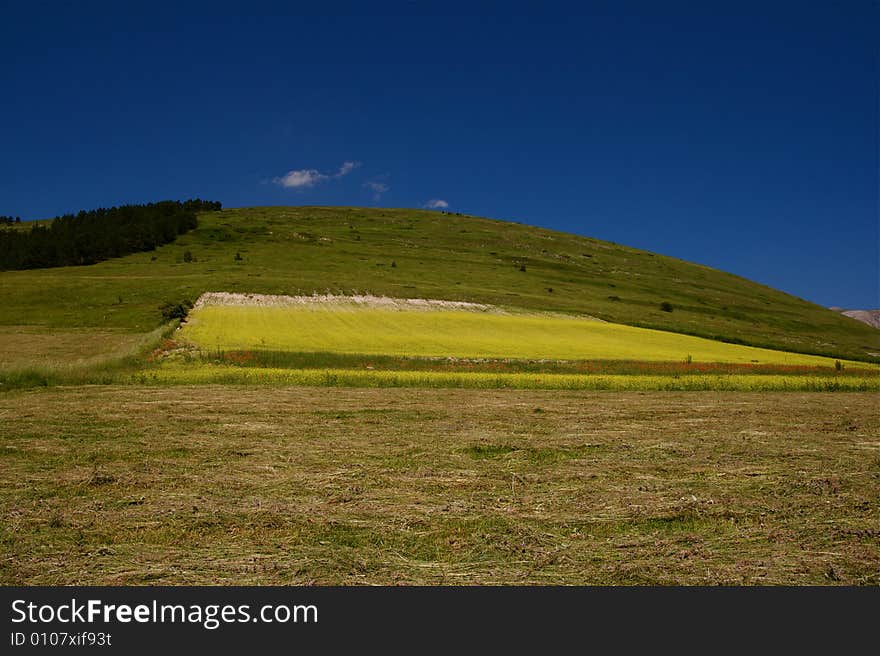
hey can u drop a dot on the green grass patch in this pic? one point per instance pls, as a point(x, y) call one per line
point(482, 451)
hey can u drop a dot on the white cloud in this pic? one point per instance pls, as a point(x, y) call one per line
point(305, 178)
point(436, 204)
point(301, 179)
point(346, 168)
point(378, 188)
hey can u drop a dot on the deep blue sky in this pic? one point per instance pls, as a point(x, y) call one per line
point(739, 135)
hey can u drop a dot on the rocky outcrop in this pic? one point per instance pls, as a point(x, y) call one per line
point(870, 317)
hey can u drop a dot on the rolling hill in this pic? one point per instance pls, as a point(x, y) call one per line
point(416, 254)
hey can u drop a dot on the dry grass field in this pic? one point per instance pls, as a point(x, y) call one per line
point(241, 485)
point(24, 346)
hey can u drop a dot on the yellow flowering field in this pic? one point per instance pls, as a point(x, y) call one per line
point(460, 334)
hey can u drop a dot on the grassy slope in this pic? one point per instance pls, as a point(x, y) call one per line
point(301, 250)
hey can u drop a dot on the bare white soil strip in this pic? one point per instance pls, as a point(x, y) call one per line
point(361, 301)
point(323, 300)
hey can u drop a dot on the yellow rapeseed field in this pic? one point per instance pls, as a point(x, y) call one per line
point(457, 333)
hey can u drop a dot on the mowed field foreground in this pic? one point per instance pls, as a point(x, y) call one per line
point(238, 485)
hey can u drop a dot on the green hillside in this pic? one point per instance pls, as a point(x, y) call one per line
point(416, 253)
